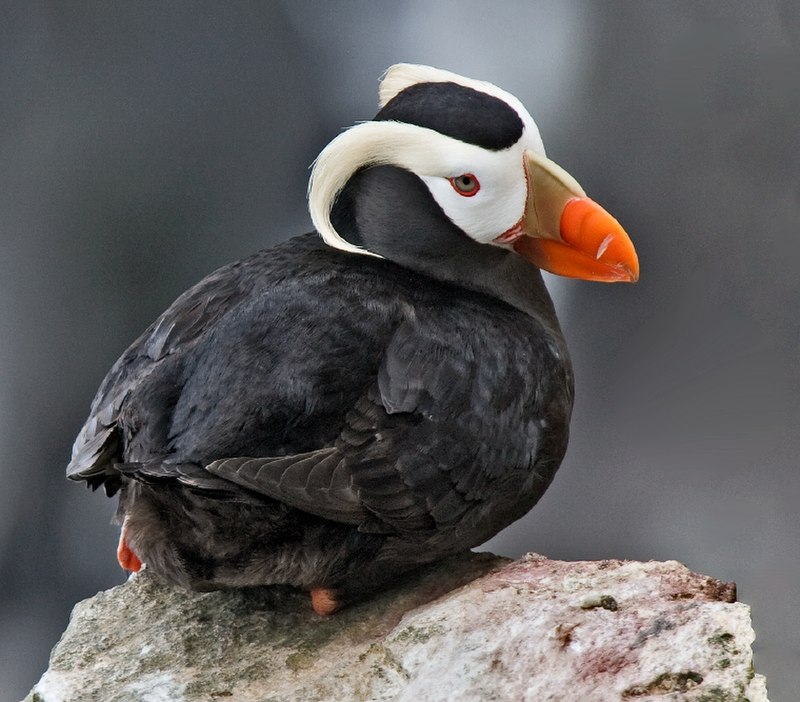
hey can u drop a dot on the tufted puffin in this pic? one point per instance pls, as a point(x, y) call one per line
point(383, 392)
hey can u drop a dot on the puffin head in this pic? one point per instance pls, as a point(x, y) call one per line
point(450, 162)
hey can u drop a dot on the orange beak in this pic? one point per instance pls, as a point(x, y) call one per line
point(566, 233)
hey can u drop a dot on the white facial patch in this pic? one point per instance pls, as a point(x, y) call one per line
point(435, 158)
point(500, 201)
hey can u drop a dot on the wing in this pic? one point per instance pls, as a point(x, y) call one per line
point(190, 476)
point(181, 327)
point(455, 421)
point(263, 357)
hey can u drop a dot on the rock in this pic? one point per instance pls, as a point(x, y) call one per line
point(475, 627)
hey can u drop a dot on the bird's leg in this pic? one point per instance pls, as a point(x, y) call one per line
point(328, 600)
point(126, 557)
point(325, 601)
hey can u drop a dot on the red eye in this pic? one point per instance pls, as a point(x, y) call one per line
point(466, 185)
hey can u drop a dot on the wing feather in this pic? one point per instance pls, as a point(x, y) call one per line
point(424, 445)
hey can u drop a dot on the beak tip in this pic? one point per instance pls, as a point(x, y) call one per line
point(594, 234)
point(627, 273)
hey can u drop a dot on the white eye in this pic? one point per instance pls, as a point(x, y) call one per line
point(466, 184)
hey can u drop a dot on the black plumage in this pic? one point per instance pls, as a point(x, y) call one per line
point(418, 416)
point(493, 123)
point(327, 419)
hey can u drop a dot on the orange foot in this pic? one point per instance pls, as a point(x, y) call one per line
point(127, 558)
point(324, 601)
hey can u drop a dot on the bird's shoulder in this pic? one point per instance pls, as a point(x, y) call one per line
point(181, 328)
point(296, 293)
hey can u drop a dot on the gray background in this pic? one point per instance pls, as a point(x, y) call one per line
point(144, 144)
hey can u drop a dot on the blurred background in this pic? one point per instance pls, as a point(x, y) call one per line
point(142, 145)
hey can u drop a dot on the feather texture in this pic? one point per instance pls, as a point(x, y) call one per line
point(398, 406)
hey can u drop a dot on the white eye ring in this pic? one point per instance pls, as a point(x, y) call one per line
point(466, 184)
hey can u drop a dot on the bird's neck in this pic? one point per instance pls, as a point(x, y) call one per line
point(390, 212)
point(499, 274)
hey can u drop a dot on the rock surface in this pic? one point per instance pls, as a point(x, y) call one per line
point(475, 627)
